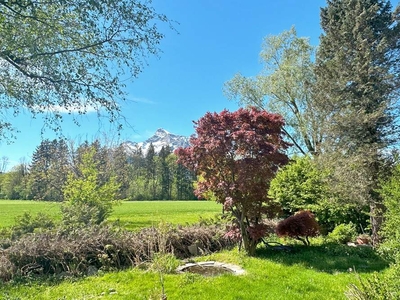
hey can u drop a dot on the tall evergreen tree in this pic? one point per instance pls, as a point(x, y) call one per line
point(357, 87)
point(165, 173)
point(184, 180)
point(48, 171)
point(120, 169)
point(151, 171)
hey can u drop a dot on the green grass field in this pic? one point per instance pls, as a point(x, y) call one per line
point(317, 272)
point(139, 214)
point(310, 273)
point(131, 214)
point(10, 209)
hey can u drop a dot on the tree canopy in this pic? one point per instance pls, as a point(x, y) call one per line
point(301, 185)
point(284, 86)
point(236, 154)
point(72, 56)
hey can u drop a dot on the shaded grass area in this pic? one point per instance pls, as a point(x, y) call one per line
point(328, 258)
point(270, 275)
point(132, 215)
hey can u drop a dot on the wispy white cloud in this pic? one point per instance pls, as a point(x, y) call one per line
point(67, 109)
point(143, 100)
point(71, 109)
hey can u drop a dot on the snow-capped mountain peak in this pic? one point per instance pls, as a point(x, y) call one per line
point(160, 138)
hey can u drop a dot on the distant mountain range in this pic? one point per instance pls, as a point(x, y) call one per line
point(160, 138)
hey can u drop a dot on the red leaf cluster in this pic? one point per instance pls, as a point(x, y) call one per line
point(236, 155)
point(302, 224)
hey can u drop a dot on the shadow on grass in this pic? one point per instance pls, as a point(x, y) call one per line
point(328, 258)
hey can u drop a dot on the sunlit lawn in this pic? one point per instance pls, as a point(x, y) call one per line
point(10, 209)
point(139, 214)
point(131, 214)
point(310, 273)
point(316, 272)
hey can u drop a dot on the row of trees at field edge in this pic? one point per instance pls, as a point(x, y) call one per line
point(139, 176)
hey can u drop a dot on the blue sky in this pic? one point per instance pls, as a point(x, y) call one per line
point(215, 39)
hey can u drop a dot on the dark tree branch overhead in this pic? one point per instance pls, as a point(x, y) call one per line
point(73, 54)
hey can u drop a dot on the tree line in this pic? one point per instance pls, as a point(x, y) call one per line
point(140, 176)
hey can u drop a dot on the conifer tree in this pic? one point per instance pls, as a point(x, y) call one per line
point(356, 87)
point(48, 170)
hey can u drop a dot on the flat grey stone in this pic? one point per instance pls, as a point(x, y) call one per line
point(234, 269)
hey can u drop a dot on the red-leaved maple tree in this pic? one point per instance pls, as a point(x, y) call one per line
point(235, 155)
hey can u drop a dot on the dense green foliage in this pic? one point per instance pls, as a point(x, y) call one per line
point(299, 185)
point(343, 233)
point(386, 285)
point(88, 200)
point(72, 56)
point(390, 230)
point(302, 185)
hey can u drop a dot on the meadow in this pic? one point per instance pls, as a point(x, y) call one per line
point(320, 271)
point(130, 214)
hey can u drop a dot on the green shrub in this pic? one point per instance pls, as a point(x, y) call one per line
point(26, 223)
point(301, 185)
point(87, 199)
point(165, 263)
point(383, 286)
point(390, 231)
point(343, 234)
point(80, 214)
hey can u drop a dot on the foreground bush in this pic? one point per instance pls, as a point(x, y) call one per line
point(87, 199)
point(87, 250)
point(343, 234)
point(299, 226)
point(379, 286)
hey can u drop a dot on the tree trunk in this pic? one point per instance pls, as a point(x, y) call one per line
point(248, 244)
point(376, 217)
